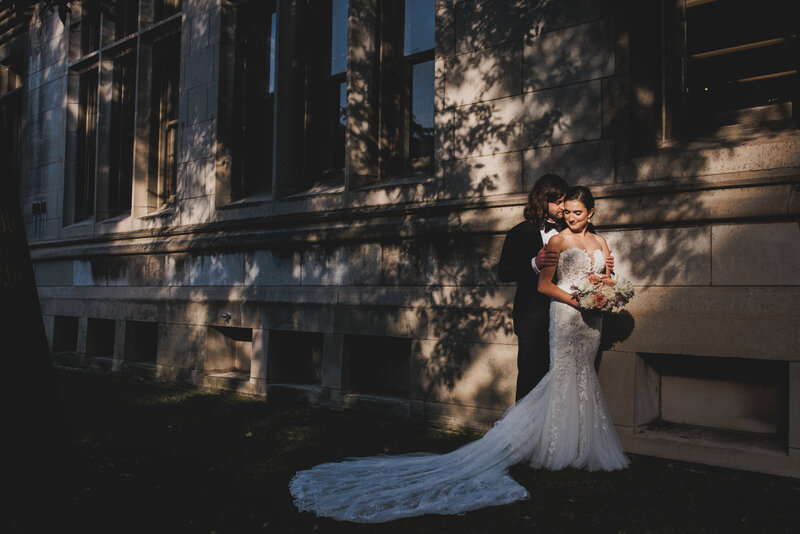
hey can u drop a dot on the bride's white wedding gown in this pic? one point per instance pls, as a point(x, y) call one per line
point(562, 422)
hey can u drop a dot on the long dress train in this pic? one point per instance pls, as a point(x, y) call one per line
point(562, 422)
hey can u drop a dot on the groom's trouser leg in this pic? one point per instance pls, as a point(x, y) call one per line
point(533, 362)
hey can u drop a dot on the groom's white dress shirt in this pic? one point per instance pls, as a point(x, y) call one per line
point(546, 235)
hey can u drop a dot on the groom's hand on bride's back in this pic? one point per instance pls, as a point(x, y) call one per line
point(546, 258)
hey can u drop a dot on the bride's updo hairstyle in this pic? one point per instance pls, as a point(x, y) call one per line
point(582, 195)
point(548, 188)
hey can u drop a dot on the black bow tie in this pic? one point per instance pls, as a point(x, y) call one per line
point(550, 225)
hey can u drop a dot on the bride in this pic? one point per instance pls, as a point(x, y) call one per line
point(562, 422)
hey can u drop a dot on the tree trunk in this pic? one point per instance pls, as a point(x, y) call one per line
point(34, 426)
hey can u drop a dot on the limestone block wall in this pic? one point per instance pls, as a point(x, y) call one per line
point(42, 157)
point(384, 296)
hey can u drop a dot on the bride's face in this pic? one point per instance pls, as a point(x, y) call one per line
point(576, 215)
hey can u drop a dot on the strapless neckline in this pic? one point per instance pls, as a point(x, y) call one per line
point(592, 257)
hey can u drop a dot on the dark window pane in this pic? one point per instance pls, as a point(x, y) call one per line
point(422, 109)
point(255, 81)
point(325, 106)
point(10, 123)
point(87, 145)
point(338, 36)
point(9, 78)
point(271, 55)
point(122, 134)
point(165, 115)
point(419, 26)
point(749, 61)
point(125, 16)
point(166, 8)
point(90, 30)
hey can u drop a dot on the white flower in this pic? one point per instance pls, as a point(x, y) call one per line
point(608, 292)
point(586, 302)
point(625, 288)
point(584, 285)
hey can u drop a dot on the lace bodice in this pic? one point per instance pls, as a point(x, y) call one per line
point(574, 263)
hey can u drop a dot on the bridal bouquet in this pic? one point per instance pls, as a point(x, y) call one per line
point(603, 292)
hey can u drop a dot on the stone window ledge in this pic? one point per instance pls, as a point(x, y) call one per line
point(167, 211)
point(321, 189)
point(255, 200)
point(768, 151)
point(409, 181)
point(116, 219)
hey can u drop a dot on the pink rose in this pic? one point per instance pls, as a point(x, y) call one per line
point(594, 279)
point(599, 300)
point(607, 280)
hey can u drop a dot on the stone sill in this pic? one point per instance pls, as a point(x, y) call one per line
point(739, 441)
point(140, 369)
point(231, 381)
point(166, 211)
point(405, 181)
point(248, 202)
point(376, 404)
point(64, 359)
point(732, 450)
point(294, 393)
point(321, 189)
point(706, 158)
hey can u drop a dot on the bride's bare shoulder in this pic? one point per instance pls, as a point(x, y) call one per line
point(600, 239)
point(557, 243)
point(602, 242)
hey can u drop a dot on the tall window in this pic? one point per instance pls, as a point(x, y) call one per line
point(739, 62)
point(122, 64)
point(407, 81)
point(164, 115)
point(123, 131)
point(254, 107)
point(326, 79)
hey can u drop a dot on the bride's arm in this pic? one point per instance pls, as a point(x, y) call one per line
point(546, 284)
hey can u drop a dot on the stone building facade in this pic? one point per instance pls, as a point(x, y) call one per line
point(307, 199)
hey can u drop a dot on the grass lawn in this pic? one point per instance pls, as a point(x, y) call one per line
point(154, 457)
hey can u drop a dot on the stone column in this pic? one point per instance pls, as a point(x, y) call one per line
point(258, 363)
point(80, 350)
point(119, 344)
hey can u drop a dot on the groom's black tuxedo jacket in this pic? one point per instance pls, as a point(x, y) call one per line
point(531, 308)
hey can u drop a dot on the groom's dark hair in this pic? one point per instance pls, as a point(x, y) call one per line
point(548, 188)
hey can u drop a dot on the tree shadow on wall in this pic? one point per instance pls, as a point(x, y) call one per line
point(474, 310)
point(469, 348)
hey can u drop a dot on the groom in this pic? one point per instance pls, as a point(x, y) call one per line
point(524, 256)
